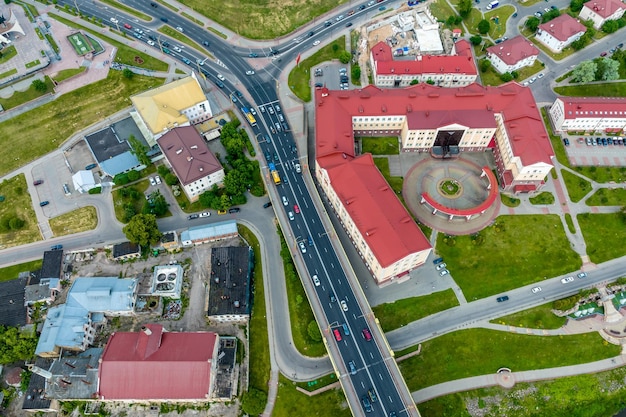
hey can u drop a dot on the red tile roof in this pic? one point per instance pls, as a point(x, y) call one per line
point(188, 154)
point(514, 50)
point(594, 107)
point(384, 223)
point(563, 27)
point(159, 365)
point(604, 8)
point(463, 63)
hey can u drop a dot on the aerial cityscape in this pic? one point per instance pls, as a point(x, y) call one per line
point(318, 208)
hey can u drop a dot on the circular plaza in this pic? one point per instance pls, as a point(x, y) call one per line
point(456, 197)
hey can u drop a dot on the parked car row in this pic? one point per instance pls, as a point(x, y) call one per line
point(603, 141)
point(440, 266)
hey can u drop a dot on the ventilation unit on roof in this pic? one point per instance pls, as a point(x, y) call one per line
point(383, 188)
point(170, 146)
point(383, 108)
point(201, 169)
point(350, 201)
point(189, 158)
point(178, 152)
point(409, 108)
point(361, 109)
point(193, 147)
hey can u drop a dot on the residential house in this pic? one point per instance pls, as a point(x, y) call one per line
point(601, 11)
point(512, 54)
point(560, 32)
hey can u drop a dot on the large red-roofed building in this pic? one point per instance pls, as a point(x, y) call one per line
point(589, 114)
point(156, 365)
point(425, 118)
point(453, 70)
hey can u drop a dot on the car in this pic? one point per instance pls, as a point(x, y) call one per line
point(535, 290)
point(620, 45)
point(367, 406)
point(344, 305)
point(540, 75)
point(372, 394)
point(37, 182)
point(205, 214)
point(193, 216)
point(164, 19)
point(553, 7)
point(566, 141)
point(443, 272)
point(441, 266)
point(249, 72)
point(127, 26)
point(296, 208)
point(139, 31)
point(497, 41)
point(351, 12)
point(221, 77)
point(352, 367)
point(381, 8)
point(154, 5)
point(178, 28)
point(152, 37)
point(233, 98)
point(348, 24)
point(44, 203)
point(502, 299)
point(317, 42)
point(437, 261)
point(177, 49)
point(270, 109)
point(603, 54)
point(566, 280)
point(234, 210)
point(253, 111)
point(290, 215)
point(319, 85)
point(362, 7)
point(152, 181)
point(138, 36)
point(298, 168)
point(66, 189)
point(371, 3)
point(302, 247)
point(582, 275)
point(240, 95)
point(310, 240)
point(346, 329)
point(278, 127)
point(514, 15)
point(366, 334)
point(337, 334)
point(206, 43)
point(268, 204)
point(56, 247)
point(200, 62)
point(186, 61)
point(157, 179)
point(277, 107)
point(285, 201)
point(114, 20)
point(340, 17)
point(315, 279)
point(220, 85)
point(311, 33)
point(90, 166)
point(532, 80)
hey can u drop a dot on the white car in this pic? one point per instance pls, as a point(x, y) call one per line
point(221, 77)
point(205, 214)
point(285, 201)
point(249, 72)
point(151, 43)
point(441, 266)
point(582, 275)
point(114, 20)
point(200, 61)
point(178, 28)
point(316, 280)
point(177, 49)
point(157, 179)
point(302, 247)
point(298, 168)
point(540, 75)
point(290, 215)
point(316, 43)
point(535, 290)
point(152, 181)
point(344, 305)
point(444, 272)
point(566, 280)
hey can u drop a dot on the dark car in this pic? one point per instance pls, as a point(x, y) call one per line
point(362, 7)
point(164, 19)
point(327, 23)
point(367, 406)
point(437, 261)
point(154, 5)
point(165, 44)
point(268, 204)
point(56, 247)
point(238, 93)
point(310, 239)
point(319, 85)
point(206, 43)
point(514, 14)
point(332, 297)
point(152, 37)
point(502, 299)
point(90, 166)
point(234, 210)
point(253, 55)
point(37, 182)
point(566, 141)
point(193, 216)
point(311, 33)
point(219, 84)
point(348, 24)
point(44, 203)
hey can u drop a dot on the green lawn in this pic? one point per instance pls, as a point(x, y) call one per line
point(607, 197)
point(396, 182)
point(125, 54)
point(22, 97)
point(394, 315)
point(75, 221)
point(8, 53)
point(300, 76)
point(8, 73)
point(291, 402)
point(543, 198)
point(540, 317)
point(557, 56)
point(570, 223)
point(591, 90)
point(259, 355)
point(48, 126)
point(510, 201)
point(262, 19)
point(441, 10)
point(12, 272)
point(492, 77)
point(380, 146)
point(68, 73)
point(502, 14)
point(17, 204)
point(120, 201)
point(193, 19)
point(577, 187)
point(475, 352)
point(32, 63)
point(604, 235)
point(483, 265)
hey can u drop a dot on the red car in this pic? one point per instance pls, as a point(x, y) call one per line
point(37, 182)
point(337, 335)
point(367, 335)
point(296, 209)
point(127, 26)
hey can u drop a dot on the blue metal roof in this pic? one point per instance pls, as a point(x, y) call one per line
point(208, 231)
point(120, 163)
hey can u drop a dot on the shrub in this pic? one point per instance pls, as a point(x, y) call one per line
point(133, 176)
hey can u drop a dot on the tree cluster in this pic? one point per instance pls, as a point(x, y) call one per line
point(602, 69)
point(552, 14)
point(11, 222)
point(612, 26)
point(142, 229)
point(155, 204)
point(484, 26)
point(15, 345)
point(139, 150)
point(586, 38)
point(126, 177)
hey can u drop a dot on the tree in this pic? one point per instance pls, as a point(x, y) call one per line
point(483, 27)
point(450, 20)
point(506, 77)
point(16, 345)
point(576, 5)
point(133, 175)
point(608, 69)
point(465, 7)
point(171, 179)
point(235, 182)
point(127, 73)
point(314, 331)
point(16, 223)
point(414, 82)
point(163, 170)
point(344, 57)
point(40, 86)
point(430, 81)
point(585, 72)
point(484, 65)
point(356, 72)
point(552, 14)
point(515, 74)
point(121, 179)
point(532, 23)
point(139, 150)
point(610, 26)
point(142, 229)
point(156, 204)
point(476, 40)
point(253, 401)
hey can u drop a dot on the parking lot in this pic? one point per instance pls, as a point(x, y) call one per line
point(588, 150)
point(330, 75)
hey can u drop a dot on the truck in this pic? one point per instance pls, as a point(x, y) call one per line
point(493, 4)
point(248, 115)
point(274, 172)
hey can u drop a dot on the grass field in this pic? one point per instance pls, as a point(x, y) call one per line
point(8, 73)
point(17, 203)
point(396, 182)
point(75, 221)
point(48, 126)
point(119, 202)
point(492, 77)
point(12, 272)
point(604, 235)
point(591, 90)
point(300, 76)
point(570, 223)
point(291, 402)
point(80, 44)
point(380, 146)
point(543, 198)
point(607, 197)
point(577, 187)
point(8, 53)
point(475, 352)
point(441, 10)
point(540, 317)
point(394, 315)
point(68, 73)
point(510, 201)
point(22, 97)
point(483, 265)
